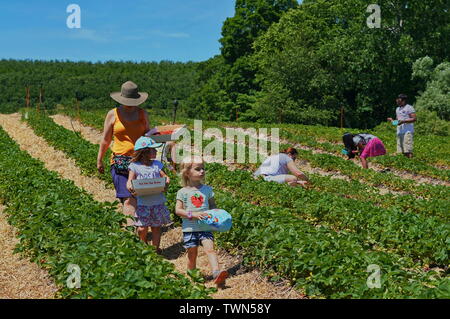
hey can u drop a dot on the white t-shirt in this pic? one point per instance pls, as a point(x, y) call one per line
point(365, 137)
point(403, 113)
point(142, 172)
point(274, 165)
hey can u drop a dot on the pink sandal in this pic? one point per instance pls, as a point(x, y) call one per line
point(220, 277)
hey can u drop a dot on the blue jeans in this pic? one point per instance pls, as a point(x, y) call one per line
point(194, 239)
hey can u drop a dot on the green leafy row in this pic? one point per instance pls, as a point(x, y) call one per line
point(424, 238)
point(320, 260)
point(413, 165)
point(83, 153)
point(326, 262)
point(337, 164)
point(431, 149)
point(60, 224)
point(354, 189)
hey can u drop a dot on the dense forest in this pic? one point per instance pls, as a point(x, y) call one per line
point(280, 62)
point(91, 83)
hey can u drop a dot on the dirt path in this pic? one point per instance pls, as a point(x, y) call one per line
point(420, 179)
point(54, 160)
point(242, 284)
point(19, 277)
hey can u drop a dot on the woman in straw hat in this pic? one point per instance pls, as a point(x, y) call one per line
point(123, 125)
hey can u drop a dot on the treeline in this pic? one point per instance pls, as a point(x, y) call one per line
point(285, 62)
point(280, 62)
point(91, 83)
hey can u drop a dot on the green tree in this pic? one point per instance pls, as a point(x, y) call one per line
point(325, 56)
point(252, 18)
point(436, 97)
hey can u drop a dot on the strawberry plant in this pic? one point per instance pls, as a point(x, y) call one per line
point(325, 261)
point(60, 224)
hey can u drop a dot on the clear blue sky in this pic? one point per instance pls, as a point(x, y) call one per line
point(136, 30)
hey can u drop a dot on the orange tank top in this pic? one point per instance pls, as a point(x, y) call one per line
point(126, 133)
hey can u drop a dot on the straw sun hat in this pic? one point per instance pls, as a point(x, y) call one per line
point(129, 95)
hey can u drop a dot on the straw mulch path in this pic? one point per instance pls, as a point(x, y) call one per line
point(19, 277)
point(54, 160)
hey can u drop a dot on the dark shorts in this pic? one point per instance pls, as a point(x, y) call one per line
point(194, 239)
point(120, 184)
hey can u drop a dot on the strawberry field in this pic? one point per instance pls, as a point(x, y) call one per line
point(321, 239)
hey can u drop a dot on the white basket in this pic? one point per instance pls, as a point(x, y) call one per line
point(149, 186)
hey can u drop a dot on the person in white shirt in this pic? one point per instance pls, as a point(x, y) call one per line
point(280, 168)
point(406, 116)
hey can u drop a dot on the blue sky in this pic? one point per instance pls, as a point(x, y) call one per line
point(136, 30)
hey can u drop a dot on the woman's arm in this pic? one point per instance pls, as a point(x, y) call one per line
point(147, 124)
point(364, 163)
point(106, 140)
point(131, 176)
point(295, 171)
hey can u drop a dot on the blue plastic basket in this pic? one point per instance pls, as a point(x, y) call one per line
point(217, 220)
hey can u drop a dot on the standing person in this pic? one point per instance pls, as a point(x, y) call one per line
point(367, 145)
point(151, 209)
point(123, 125)
point(280, 168)
point(406, 116)
point(193, 200)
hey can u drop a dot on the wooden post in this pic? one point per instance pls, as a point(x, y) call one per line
point(38, 106)
point(27, 96)
point(342, 117)
point(175, 106)
point(41, 96)
point(78, 110)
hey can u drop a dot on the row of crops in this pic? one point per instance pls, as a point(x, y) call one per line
point(429, 150)
point(60, 224)
point(432, 153)
point(321, 241)
point(428, 199)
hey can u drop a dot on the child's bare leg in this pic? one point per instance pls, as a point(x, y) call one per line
point(192, 258)
point(218, 276)
point(142, 233)
point(156, 236)
point(208, 246)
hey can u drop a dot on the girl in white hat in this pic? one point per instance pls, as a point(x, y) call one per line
point(151, 209)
